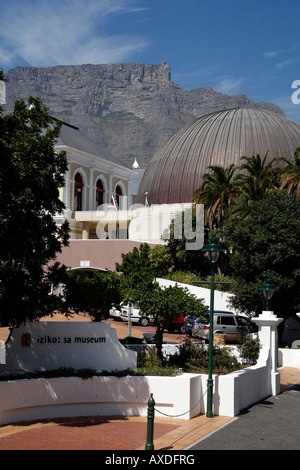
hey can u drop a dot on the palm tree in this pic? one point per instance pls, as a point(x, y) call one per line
point(217, 192)
point(290, 175)
point(258, 169)
point(258, 178)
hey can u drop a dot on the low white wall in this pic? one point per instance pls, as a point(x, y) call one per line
point(181, 397)
point(235, 391)
point(23, 400)
point(289, 357)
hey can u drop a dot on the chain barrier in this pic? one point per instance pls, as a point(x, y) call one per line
point(182, 414)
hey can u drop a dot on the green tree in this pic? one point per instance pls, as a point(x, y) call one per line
point(290, 175)
point(217, 192)
point(256, 177)
point(137, 272)
point(193, 261)
point(267, 244)
point(93, 294)
point(166, 304)
point(258, 167)
point(161, 260)
point(31, 173)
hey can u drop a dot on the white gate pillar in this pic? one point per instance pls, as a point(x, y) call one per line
point(267, 331)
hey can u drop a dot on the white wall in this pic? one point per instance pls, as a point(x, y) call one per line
point(125, 396)
point(221, 299)
point(181, 397)
point(80, 345)
point(289, 357)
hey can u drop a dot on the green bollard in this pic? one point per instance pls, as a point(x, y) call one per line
point(150, 423)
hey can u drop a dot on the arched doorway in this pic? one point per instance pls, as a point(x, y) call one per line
point(78, 189)
point(119, 194)
point(99, 193)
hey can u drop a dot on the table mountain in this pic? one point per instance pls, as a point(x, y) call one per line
point(131, 109)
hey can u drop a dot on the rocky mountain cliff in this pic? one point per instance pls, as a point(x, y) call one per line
point(131, 109)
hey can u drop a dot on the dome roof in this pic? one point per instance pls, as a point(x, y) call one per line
point(220, 138)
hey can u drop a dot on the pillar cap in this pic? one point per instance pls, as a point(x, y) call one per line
point(267, 317)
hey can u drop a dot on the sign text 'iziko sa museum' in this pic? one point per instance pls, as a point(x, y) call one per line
point(53, 345)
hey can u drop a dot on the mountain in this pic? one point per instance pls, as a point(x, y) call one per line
point(130, 109)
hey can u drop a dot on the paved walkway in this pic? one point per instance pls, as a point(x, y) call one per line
point(271, 424)
point(118, 433)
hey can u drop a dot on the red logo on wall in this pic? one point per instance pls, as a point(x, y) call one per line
point(26, 340)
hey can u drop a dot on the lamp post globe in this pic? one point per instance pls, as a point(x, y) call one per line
point(268, 289)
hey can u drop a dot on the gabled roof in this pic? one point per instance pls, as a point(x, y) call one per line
point(72, 137)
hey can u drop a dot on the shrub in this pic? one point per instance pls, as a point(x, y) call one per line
point(149, 359)
point(249, 349)
point(193, 357)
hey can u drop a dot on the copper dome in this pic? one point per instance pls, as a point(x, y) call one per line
point(220, 138)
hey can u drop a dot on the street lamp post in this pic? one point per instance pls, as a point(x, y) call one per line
point(213, 249)
point(268, 288)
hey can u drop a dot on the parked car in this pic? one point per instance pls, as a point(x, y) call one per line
point(115, 312)
point(176, 325)
point(135, 315)
point(227, 323)
point(188, 324)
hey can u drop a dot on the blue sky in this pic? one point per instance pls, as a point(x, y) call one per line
point(235, 46)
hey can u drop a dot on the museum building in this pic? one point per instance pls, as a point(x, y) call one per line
point(106, 205)
point(219, 138)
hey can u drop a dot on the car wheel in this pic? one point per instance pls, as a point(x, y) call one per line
point(144, 321)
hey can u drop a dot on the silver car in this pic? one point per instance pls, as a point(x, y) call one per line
point(226, 323)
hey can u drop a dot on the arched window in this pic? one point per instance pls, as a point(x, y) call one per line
point(99, 193)
point(78, 188)
point(118, 195)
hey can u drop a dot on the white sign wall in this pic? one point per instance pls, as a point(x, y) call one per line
point(41, 345)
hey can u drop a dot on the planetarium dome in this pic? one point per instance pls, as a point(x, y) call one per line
point(219, 138)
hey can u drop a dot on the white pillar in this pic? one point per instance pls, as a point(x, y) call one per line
point(92, 192)
point(85, 230)
point(267, 331)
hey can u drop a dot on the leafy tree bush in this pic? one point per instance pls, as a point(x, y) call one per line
point(266, 243)
point(149, 359)
point(249, 349)
point(194, 358)
point(31, 174)
point(183, 277)
point(93, 294)
point(193, 261)
point(137, 272)
point(166, 304)
point(139, 269)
